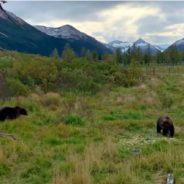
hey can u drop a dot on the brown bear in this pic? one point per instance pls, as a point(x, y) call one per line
point(165, 126)
point(11, 113)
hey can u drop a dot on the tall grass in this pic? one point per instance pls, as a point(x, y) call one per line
point(106, 137)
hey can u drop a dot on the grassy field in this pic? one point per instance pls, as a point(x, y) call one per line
point(105, 138)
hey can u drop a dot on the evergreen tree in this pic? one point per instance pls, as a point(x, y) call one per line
point(55, 55)
point(136, 55)
point(182, 56)
point(118, 56)
point(147, 56)
point(139, 55)
point(68, 53)
point(89, 55)
point(95, 56)
point(174, 55)
point(127, 56)
point(160, 58)
point(83, 52)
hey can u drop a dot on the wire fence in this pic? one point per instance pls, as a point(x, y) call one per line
point(164, 70)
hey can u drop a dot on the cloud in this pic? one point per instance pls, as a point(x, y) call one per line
point(154, 21)
point(75, 11)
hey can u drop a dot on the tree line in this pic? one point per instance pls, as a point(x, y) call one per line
point(132, 56)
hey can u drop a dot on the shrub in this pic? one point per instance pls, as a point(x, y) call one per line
point(4, 169)
point(89, 76)
point(51, 100)
point(77, 79)
point(127, 77)
point(40, 72)
point(17, 88)
point(74, 120)
point(3, 86)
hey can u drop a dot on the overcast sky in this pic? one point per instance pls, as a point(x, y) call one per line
point(156, 22)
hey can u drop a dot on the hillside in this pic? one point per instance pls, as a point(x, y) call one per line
point(66, 32)
point(179, 45)
point(16, 34)
point(116, 44)
point(74, 137)
point(76, 37)
point(146, 47)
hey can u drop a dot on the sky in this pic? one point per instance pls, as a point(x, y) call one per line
point(156, 22)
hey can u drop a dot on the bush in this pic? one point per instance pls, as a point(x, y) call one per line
point(4, 169)
point(16, 88)
point(77, 80)
point(40, 72)
point(127, 77)
point(81, 75)
point(78, 75)
point(74, 120)
point(51, 100)
point(3, 86)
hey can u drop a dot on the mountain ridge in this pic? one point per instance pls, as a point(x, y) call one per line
point(145, 46)
point(66, 31)
point(18, 35)
point(179, 44)
point(141, 43)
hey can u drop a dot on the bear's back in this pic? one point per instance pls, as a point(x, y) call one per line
point(8, 113)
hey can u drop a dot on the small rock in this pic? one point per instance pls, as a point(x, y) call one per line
point(170, 179)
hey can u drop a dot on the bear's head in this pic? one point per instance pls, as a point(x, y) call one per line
point(165, 122)
point(21, 111)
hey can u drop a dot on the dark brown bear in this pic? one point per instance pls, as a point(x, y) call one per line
point(11, 113)
point(165, 126)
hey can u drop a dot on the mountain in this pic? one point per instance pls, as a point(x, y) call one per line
point(178, 44)
point(75, 36)
point(140, 43)
point(144, 46)
point(117, 44)
point(16, 34)
point(66, 32)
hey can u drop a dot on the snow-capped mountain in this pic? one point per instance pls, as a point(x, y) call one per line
point(144, 46)
point(16, 34)
point(117, 44)
point(125, 45)
point(66, 31)
point(70, 33)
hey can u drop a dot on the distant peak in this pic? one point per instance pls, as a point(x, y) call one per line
point(140, 40)
point(68, 25)
point(66, 31)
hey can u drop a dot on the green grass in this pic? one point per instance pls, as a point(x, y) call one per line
point(105, 138)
